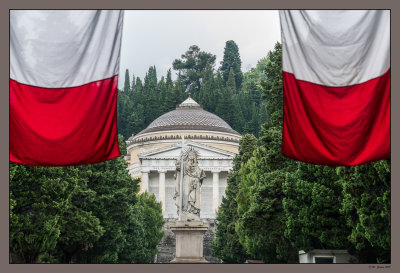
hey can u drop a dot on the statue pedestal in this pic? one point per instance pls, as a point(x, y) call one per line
point(189, 241)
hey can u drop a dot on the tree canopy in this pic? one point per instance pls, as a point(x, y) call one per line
point(280, 206)
point(232, 61)
point(83, 214)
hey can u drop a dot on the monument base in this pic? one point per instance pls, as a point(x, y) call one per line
point(189, 241)
point(189, 260)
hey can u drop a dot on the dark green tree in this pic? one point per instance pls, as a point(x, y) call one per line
point(127, 82)
point(47, 214)
point(116, 195)
point(225, 106)
point(261, 222)
point(192, 65)
point(135, 121)
point(169, 102)
point(366, 206)
point(230, 61)
point(272, 87)
point(207, 90)
point(144, 232)
point(230, 83)
point(151, 96)
point(133, 84)
point(238, 121)
point(312, 202)
point(179, 90)
point(226, 245)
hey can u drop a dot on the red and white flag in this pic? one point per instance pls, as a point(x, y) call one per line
point(336, 79)
point(63, 86)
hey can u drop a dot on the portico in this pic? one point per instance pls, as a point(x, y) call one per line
point(152, 154)
point(158, 169)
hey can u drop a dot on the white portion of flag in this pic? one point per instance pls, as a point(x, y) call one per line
point(335, 47)
point(64, 48)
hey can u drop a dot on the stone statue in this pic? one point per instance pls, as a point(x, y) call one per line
point(192, 180)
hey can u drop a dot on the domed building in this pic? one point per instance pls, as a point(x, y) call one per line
point(152, 154)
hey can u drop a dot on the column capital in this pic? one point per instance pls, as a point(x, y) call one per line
point(145, 171)
point(162, 171)
point(215, 171)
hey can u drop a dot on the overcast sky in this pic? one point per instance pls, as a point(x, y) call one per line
point(159, 37)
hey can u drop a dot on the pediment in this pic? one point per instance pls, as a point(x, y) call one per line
point(173, 152)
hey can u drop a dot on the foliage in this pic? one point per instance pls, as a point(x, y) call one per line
point(144, 232)
point(366, 206)
point(81, 214)
point(226, 245)
point(116, 194)
point(312, 203)
point(192, 65)
point(44, 199)
point(231, 61)
point(284, 206)
point(127, 83)
point(238, 104)
point(261, 223)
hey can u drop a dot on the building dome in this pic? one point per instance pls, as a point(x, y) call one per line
point(189, 115)
point(190, 121)
point(152, 155)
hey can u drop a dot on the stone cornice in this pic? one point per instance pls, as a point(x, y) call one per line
point(177, 135)
point(188, 143)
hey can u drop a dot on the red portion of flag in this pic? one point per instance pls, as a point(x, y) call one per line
point(336, 125)
point(63, 126)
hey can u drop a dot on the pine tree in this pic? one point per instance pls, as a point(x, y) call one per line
point(169, 101)
point(225, 106)
point(232, 60)
point(179, 90)
point(133, 84)
point(151, 96)
point(127, 82)
point(230, 83)
point(192, 65)
point(207, 90)
point(238, 122)
point(162, 94)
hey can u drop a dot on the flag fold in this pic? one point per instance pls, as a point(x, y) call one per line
point(336, 79)
point(63, 86)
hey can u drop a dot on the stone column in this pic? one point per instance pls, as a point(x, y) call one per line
point(145, 182)
point(215, 190)
point(161, 188)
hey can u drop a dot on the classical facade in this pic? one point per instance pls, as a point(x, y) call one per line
point(153, 152)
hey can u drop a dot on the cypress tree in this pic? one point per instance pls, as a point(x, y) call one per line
point(169, 101)
point(226, 245)
point(230, 83)
point(260, 225)
point(127, 82)
point(133, 84)
point(232, 60)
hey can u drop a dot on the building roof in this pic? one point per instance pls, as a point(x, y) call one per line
point(189, 115)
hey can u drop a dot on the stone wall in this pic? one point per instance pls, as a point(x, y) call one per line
point(166, 248)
